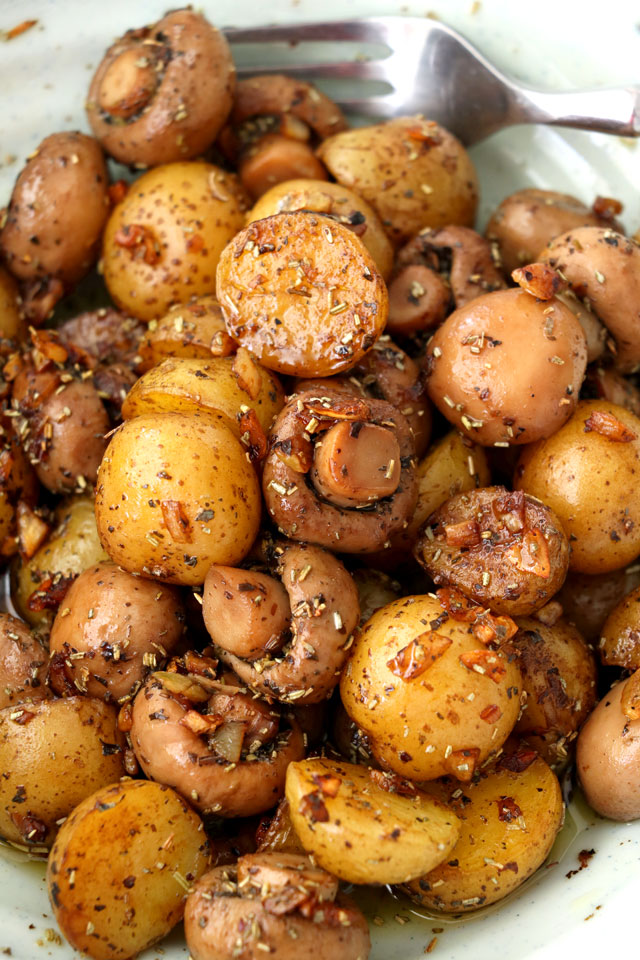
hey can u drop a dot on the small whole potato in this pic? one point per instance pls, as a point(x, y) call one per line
point(113, 628)
point(195, 329)
point(412, 171)
point(505, 550)
point(559, 677)
point(121, 868)
point(333, 200)
point(366, 826)
point(303, 293)
point(57, 211)
point(510, 818)
point(587, 600)
point(53, 754)
point(162, 243)
point(175, 494)
point(619, 641)
point(507, 368)
point(162, 92)
point(430, 695)
point(608, 758)
point(584, 473)
point(23, 662)
point(526, 221)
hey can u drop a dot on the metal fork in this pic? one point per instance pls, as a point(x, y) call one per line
point(433, 70)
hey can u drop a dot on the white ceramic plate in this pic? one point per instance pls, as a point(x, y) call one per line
point(44, 75)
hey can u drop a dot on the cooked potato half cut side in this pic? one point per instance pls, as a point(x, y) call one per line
point(366, 826)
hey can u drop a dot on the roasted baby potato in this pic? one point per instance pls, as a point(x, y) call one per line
point(619, 642)
point(175, 494)
point(23, 662)
point(122, 866)
point(430, 695)
point(510, 818)
point(584, 473)
point(413, 172)
point(366, 826)
point(53, 754)
point(194, 329)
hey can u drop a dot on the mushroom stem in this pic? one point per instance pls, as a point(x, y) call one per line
point(356, 463)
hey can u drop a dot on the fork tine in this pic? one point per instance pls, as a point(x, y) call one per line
point(352, 69)
point(381, 108)
point(367, 30)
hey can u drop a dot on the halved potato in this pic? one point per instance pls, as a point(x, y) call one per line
point(366, 826)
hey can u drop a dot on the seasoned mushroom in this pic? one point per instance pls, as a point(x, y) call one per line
point(23, 662)
point(162, 92)
point(296, 650)
point(106, 334)
point(112, 629)
point(276, 904)
point(359, 458)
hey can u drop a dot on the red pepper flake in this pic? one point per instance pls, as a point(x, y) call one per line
point(60, 677)
point(517, 761)
point(49, 594)
point(176, 521)
point(140, 242)
point(583, 858)
point(329, 784)
point(608, 426)
point(419, 655)
point(393, 783)
point(19, 29)
point(464, 534)
point(313, 808)
point(252, 435)
point(491, 714)
point(508, 810)
point(118, 191)
point(461, 764)
point(538, 279)
point(457, 605)
point(485, 662)
point(531, 554)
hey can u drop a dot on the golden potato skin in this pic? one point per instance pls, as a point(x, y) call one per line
point(337, 201)
point(431, 724)
point(186, 384)
point(53, 754)
point(586, 477)
point(369, 831)
point(619, 642)
point(413, 172)
point(162, 243)
point(175, 494)
point(507, 368)
point(60, 199)
point(72, 547)
point(187, 330)
point(510, 818)
point(119, 871)
point(303, 293)
point(559, 677)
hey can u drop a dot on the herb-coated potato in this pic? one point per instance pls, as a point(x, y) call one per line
point(559, 678)
point(193, 329)
point(432, 698)
point(510, 818)
point(72, 547)
point(23, 662)
point(53, 754)
point(365, 826)
point(162, 242)
point(303, 293)
point(338, 202)
point(216, 386)
point(619, 642)
point(507, 367)
point(413, 172)
point(175, 494)
point(113, 628)
point(12, 325)
point(503, 550)
point(121, 868)
point(584, 473)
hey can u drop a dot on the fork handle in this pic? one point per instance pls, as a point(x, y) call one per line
point(614, 111)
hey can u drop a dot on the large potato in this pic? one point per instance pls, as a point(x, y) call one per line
point(414, 173)
point(122, 866)
point(162, 243)
point(432, 698)
point(585, 473)
point(338, 202)
point(175, 494)
point(72, 547)
point(53, 754)
point(510, 818)
point(365, 826)
point(222, 386)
